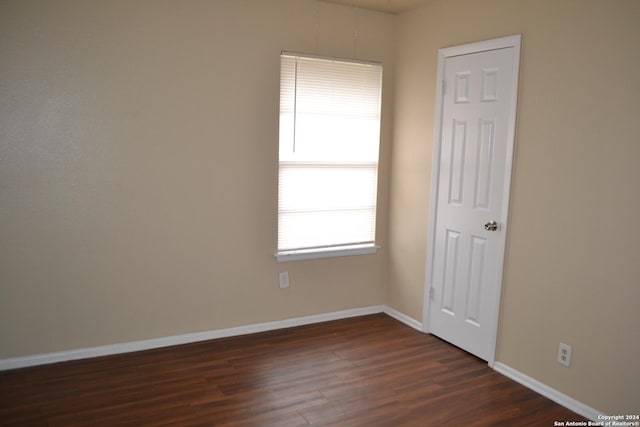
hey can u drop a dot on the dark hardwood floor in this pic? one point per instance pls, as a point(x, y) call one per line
point(365, 371)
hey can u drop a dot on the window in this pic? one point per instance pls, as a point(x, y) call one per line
point(328, 160)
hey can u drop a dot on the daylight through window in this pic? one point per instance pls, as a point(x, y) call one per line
point(328, 159)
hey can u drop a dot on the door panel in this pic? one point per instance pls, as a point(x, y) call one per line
point(476, 107)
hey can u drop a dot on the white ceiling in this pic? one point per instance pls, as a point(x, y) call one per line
point(390, 6)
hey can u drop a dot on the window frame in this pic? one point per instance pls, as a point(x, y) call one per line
point(337, 250)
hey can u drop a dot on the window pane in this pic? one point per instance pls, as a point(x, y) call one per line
point(329, 143)
point(330, 228)
point(323, 187)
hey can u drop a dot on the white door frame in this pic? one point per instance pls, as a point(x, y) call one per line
point(443, 54)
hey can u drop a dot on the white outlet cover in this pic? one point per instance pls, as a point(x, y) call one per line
point(284, 279)
point(564, 354)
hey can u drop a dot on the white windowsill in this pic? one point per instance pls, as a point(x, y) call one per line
point(306, 254)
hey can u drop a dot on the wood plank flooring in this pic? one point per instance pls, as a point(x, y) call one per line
point(365, 371)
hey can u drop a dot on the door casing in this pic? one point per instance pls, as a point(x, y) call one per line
point(443, 54)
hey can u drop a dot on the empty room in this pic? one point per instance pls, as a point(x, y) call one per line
point(281, 212)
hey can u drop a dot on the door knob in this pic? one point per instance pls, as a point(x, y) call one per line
point(491, 226)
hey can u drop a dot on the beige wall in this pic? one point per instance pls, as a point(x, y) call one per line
point(138, 168)
point(573, 253)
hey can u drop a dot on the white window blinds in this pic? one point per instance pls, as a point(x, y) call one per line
point(328, 160)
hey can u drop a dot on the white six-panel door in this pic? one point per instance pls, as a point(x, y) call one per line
point(471, 201)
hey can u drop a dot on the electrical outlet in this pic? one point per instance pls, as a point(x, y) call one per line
point(284, 279)
point(564, 354)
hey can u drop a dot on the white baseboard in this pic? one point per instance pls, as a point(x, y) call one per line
point(401, 317)
point(548, 392)
point(106, 350)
